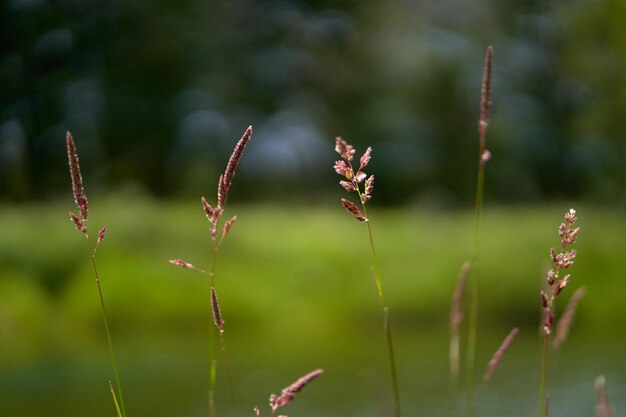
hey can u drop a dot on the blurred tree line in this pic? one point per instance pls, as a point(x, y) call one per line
point(157, 92)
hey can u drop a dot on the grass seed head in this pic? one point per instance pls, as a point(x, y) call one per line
point(344, 149)
point(288, 394)
point(217, 314)
point(227, 178)
point(78, 223)
point(77, 179)
point(497, 357)
point(182, 264)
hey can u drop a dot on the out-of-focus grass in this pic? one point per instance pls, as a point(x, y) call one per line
point(289, 269)
point(289, 279)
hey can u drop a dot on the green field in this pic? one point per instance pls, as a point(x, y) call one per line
point(297, 293)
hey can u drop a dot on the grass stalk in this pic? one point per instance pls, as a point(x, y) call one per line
point(212, 386)
point(116, 375)
point(386, 325)
point(543, 404)
point(353, 182)
point(483, 157)
point(556, 283)
point(117, 405)
point(80, 221)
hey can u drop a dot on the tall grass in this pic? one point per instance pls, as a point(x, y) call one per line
point(359, 183)
point(80, 221)
point(214, 215)
point(356, 181)
point(556, 283)
point(469, 271)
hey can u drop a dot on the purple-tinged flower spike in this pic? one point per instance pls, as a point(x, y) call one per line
point(182, 264)
point(369, 189)
point(345, 169)
point(79, 224)
point(561, 261)
point(101, 235)
point(485, 95)
point(365, 159)
point(77, 179)
point(212, 213)
point(227, 178)
point(353, 209)
point(344, 149)
point(603, 405)
point(497, 357)
point(564, 324)
point(217, 314)
point(456, 311)
point(228, 225)
point(288, 394)
point(348, 186)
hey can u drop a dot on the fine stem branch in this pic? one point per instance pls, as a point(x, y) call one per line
point(543, 404)
point(109, 340)
point(220, 332)
point(483, 157)
point(386, 324)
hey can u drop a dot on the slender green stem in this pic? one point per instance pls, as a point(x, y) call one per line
point(454, 371)
point(543, 405)
point(213, 382)
point(213, 371)
point(109, 341)
point(387, 326)
point(231, 385)
point(117, 405)
point(472, 328)
point(471, 348)
point(229, 376)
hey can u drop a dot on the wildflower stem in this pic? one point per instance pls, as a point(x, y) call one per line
point(483, 157)
point(117, 405)
point(213, 382)
point(387, 326)
point(543, 409)
point(109, 340)
point(470, 368)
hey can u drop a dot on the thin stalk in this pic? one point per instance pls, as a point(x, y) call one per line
point(213, 372)
point(213, 381)
point(454, 354)
point(543, 404)
point(117, 405)
point(483, 157)
point(108, 333)
point(229, 376)
point(386, 324)
point(471, 349)
point(222, 344)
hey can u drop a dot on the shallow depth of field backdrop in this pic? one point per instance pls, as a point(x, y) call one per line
point(156, 95)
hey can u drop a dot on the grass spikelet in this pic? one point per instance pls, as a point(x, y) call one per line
point(231, 167)
point(603, 406)
point(214, 215)
point(288, 394)
point(483, 156)
point(217, 314)
point(564, 324)
point(354, 183)
point(561, 261)
point(77, 179)
point(456, 317)
point(485, 97)
point(498, 355)
point(81, 224)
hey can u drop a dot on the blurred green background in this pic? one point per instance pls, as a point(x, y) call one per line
point(157, 93)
